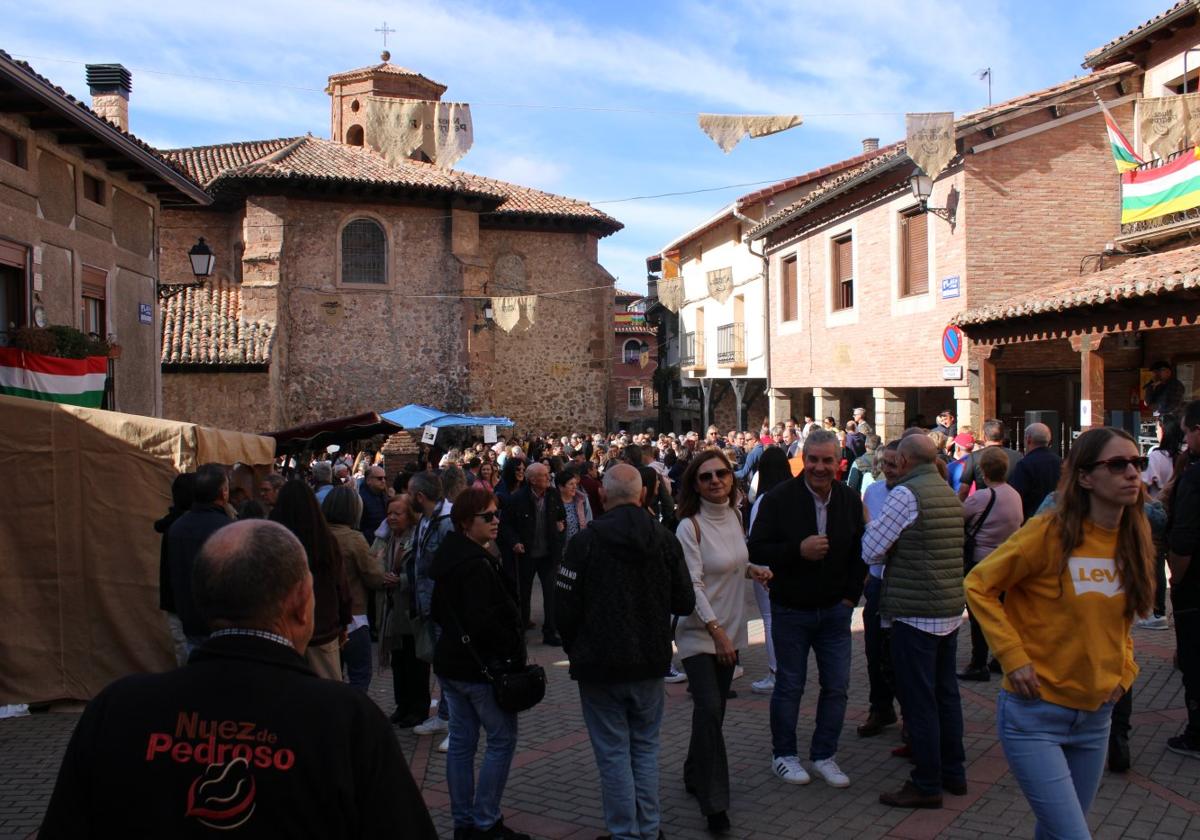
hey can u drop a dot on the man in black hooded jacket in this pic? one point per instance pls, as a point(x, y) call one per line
point(621, 580)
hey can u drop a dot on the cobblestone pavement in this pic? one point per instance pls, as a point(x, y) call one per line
point(553, 790)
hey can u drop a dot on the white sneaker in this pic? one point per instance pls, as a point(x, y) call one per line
point(1152, 622)
point(674, 676)
point(789, 769)
point(738, 672)
point(764, 686)
point(431, 726)
point(828, 770)
point(445, 746)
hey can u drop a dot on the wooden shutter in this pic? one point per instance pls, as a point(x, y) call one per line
point(95, 282)
point(791, 292)
point(13, 254)
point(916, 253)
point(843, 278)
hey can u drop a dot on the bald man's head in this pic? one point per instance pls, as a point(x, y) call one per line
point(916, 450)
point(622, 485)
point(246, 572)
point(1037, 434)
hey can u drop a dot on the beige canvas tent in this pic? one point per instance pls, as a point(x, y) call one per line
point(78, 550)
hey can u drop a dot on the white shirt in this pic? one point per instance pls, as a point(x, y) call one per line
point(822, 506)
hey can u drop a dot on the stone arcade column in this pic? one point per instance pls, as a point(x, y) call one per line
point(827, 403)
point(889, 413)
point(779, 405)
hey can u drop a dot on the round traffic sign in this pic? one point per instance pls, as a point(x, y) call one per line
point(952, 343)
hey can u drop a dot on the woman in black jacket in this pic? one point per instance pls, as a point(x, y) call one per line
point(473, 600)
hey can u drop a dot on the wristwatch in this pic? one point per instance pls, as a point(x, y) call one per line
point(712, 625)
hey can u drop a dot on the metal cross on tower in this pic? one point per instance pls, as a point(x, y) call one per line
point(385, 31)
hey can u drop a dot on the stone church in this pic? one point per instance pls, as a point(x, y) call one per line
point(345, 284)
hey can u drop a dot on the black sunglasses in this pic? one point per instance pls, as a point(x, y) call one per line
point(489, 516)
point(1117, 466)
point(719, 475)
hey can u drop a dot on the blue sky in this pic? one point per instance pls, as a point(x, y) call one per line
point(626, 79)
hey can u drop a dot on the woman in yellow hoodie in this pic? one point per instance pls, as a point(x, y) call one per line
point(1075, 580)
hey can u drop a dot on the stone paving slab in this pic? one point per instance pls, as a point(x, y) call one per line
point(553, 791)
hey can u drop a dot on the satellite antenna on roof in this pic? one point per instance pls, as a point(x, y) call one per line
point(985, 73)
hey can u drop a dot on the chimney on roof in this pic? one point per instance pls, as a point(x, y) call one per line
point(110, 85)
point(870, 144)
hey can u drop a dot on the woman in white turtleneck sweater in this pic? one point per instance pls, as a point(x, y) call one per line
point(714, 547)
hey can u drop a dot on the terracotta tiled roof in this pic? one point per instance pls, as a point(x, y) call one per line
point(897, 152)
point(633, 328)
point(1098, 55)
point(385, 67)
point(1138, 277)
point(627, 293)
point(203, 326)
point(312, 159)
point(205, 163)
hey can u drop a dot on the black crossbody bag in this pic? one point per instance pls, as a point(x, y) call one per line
point(516, 690)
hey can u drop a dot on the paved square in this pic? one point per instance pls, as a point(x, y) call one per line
point(553, 791)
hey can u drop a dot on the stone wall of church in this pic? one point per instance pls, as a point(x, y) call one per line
point(553, 376)
point(240, 401)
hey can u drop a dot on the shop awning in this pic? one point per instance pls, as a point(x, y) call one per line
point(339, 430)
point(418, 416)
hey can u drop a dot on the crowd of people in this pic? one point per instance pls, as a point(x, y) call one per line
point(644, 545)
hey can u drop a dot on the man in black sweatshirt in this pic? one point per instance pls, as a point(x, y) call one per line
point(245, 738)
point(622, 579)
point(809, 532)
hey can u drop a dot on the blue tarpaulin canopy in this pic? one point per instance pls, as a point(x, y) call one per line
point(418, 416)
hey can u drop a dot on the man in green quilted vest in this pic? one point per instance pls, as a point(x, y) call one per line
point(918, 538)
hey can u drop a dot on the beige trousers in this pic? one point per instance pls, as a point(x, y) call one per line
point(326, 660)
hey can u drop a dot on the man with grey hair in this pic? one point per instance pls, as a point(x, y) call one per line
point(245, 736)
point(621, 580)
point(860, 420)
point(1036, 475)
point(808, 530)
point(425, 490)
point(918, 538)
point(322, 479)
point(535, 524)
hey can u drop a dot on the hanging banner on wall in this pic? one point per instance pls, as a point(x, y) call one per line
point(514, 311)
point(930, 140)
point(727, 130)
point(670, 293)
point(1166, 122)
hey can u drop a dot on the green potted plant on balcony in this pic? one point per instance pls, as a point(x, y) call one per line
point(55, 363)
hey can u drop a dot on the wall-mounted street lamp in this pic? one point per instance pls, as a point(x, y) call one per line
point(203, 261)
point(922, 188)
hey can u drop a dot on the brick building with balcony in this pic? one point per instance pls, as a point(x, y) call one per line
point(723, 351)
point(1081, 347)
point(864, 281)
point(632, 399)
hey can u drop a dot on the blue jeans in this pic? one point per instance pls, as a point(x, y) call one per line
point(356, 657)
point(473, 705)
point(1057, 756)
point(623, 721)
point(927, 687)
point(827, 633)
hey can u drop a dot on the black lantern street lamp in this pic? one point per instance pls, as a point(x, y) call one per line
point(922, 188)
point(203, 259)
point(203, 262)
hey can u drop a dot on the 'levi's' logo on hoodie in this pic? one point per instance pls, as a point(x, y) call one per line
point(1095, 574)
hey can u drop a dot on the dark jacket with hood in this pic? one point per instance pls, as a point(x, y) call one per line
point(621, 580)
point(468, 587)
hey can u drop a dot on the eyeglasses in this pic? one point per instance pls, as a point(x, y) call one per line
point(489, 516)
point(1117, 466)
point(719, 475)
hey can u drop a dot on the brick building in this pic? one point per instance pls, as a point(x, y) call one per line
point(632, 399)
point(722, 319)
point(864, 281)
point(1080, 348)
point(346, 284)
point(81, 204)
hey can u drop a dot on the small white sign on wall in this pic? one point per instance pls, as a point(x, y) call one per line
point(1085, 413)
point(429, 435)
point(952, 373)
point(951, 287)
point(489, 434)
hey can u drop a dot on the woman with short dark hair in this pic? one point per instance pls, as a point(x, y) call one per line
point(477, 608)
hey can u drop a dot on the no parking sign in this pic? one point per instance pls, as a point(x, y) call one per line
point(952, 343)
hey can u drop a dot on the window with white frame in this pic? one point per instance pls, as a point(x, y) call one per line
point(635, 398)
point(843, 272)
